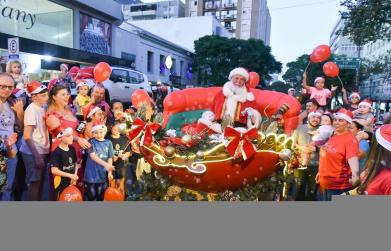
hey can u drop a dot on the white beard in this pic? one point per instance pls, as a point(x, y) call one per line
point(235, 94)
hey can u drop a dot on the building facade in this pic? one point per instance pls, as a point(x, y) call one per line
point(184, 31)
point(341, 45)
point(243, 18)
point(157, 10)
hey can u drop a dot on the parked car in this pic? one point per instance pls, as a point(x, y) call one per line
point(122, 83)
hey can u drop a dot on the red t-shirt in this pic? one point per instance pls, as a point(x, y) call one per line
point(334, 169)
point(381, 184)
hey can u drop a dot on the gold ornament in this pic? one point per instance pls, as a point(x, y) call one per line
point(169, 151)
point(200, 155)
point(186, 139)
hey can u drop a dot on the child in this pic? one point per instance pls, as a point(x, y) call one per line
point(324, 132)
point(15, 69)
point(35, 146)
point(353, 101)
point(63, 162)
point(94, 116)
point(99, 163)
point(121, 145)
point(82, 98)
point(7, 150)
point(318, 92)
point(364, 116)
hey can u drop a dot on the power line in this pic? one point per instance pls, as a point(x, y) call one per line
point(303, 5)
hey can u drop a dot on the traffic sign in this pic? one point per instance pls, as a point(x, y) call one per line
point(13, 48)
point(348, 63)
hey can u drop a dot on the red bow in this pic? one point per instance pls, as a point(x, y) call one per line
point(240, 145)
point(138, 127)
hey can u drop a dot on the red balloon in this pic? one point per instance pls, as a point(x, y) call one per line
point(253, 79)
point(102, 71)
point(331, 69)
point(113, 194)
point(139, 97)
point(71, 194)
point(320, 53)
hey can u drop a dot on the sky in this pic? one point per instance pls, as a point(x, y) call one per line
point(298, 26)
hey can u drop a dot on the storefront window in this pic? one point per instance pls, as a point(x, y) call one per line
point(40, 20)
point(95, 35)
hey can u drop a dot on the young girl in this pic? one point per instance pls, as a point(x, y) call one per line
point(318, 92)
point(82, 98)
point(99, 164)
point(364, 115)
point(352, 102)
point(94, 116)
point(121, 145)
point(63, 162)
point(15, 69)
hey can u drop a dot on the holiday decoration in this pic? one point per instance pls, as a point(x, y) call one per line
point(320, 53)
point(102, 72)
point(71, 194)
point(331, 69)
point(253, 79)
point(113, 194)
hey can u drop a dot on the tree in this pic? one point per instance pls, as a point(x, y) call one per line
point(381, 65)
point(294, 74)
point(216, 56)
point(278, 86)
point(367, 20)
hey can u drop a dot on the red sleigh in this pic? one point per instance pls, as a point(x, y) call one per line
point(214, 170)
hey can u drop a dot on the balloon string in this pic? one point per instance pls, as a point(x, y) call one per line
point(341, 82)
point(306, 68)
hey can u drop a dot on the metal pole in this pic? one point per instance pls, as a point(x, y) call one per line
point(358, 68)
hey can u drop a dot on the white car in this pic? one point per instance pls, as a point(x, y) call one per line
point(122, 83)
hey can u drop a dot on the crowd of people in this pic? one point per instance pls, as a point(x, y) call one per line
point(60, 141)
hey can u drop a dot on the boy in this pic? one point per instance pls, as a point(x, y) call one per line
point(35, 145)
point(63, 162)
point(99, 162)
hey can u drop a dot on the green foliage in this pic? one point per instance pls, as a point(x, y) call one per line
point(367, 20)
point(216, 56)
point(379, 66)
point(278, 86)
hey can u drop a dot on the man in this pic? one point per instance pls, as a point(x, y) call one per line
point(311, 106)
point(11, 114)
point(305, 185)
point(98, 99)
point(234, 98)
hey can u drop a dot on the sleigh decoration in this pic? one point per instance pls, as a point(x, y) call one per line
point(236, 159)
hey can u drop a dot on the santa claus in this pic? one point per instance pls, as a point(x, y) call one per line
point(235, 98)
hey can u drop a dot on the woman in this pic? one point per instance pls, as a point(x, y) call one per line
point(378, 181)
point(58, 117)
point(358, 130)
point(338, 162)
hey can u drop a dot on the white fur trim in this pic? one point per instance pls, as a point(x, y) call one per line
point(37, 90)
point(355, 94)
point(250, 96)
point(227, 89)
point(65, 132)
point(382, 141)
point(314, 114)
point(239, 71)
point(82, 84)
point(98, 127)
point(343, 116)
point(365, 104)
point(94, 110)
point(216, 127)
point(318, 78)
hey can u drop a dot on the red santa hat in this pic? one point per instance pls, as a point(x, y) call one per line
point(74, 71)
point(344, 114)
point(35, 87)
point(355, 94)
point(366, 102)
point(315, 113)
point(65, 132)
point(239, 71)
point(92, 111)
point(383, 136)
point(319, 78)
point(82, 83)
point(98, 126)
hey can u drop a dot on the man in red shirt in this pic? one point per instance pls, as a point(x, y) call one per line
point(338, 161)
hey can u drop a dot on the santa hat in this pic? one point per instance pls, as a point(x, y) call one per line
point(65, 132)
point(82, 83)
point(383, 136)
point(65, 66)
point(355, 94)
point(315, 113)
point(366, 102)
point(291, 89)
point(34, 87)
point(92, 111)
point(239, 71)
point(74, 71)
point(319, 78)
point(344, 114)
point(98, 126)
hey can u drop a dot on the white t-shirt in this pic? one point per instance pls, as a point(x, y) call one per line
point(7, 119)
point(34, 116)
